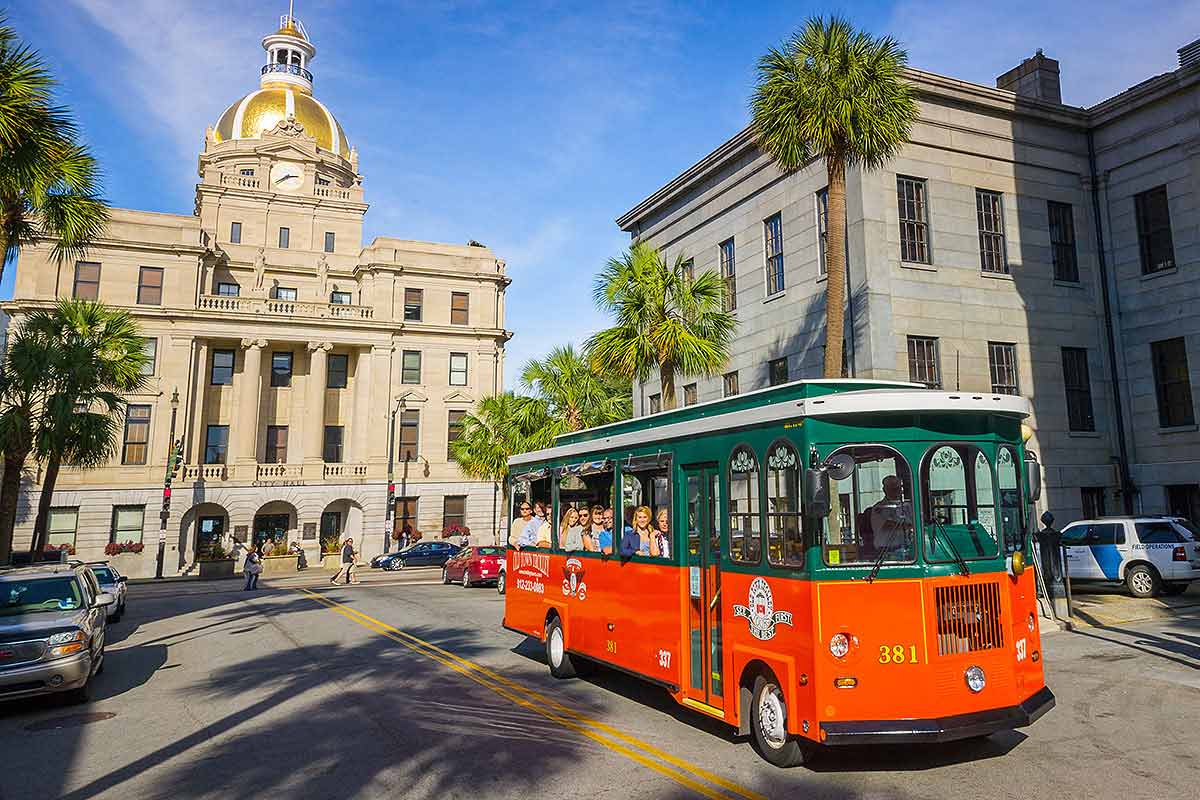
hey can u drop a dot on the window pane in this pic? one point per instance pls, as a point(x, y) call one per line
point(413, 298)
point(1012, 507)
point(1002, 359)
point(410, 426)
point(333, 444)
point(87, 280)
point(337, 370)
point(785, 543)
point(1078, 385)
point(1062, 242)
point(647, 484)
point(137, 434)
point(410, 371)
point(453, 430)
point(341, 298)
point(127, 524)
point(957, 485)
point(454, 512)
point(777, 371)
point(329, 240)
point(990, 215)
point(216, 444)
point(729, 274)
point(235, 232)
point(655, 403)
point(1154, 230)
point(730, 381)
point(458, 369)
point(285, 293)
point(745, 529)
point(150, 350)
point(281, 369)
point(285, 236)
point(222, 368)
point(1173, 383)
point(150, 281)
point(924, 363)
point(229, 289)
point(773, 241)
point(822, 199)
point(277, 436)
point(689, 394)
point(459, 308)
point(61, 526)
point(873, 515)
point(914, 228)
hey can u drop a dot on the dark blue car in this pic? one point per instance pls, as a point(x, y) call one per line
point(421, 554)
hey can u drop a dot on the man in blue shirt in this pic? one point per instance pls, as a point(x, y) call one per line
point(605, 536)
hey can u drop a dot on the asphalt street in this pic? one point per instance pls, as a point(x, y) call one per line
point(403, 688)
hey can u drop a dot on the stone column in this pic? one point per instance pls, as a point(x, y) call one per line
point(360, 429)
point(249, 394)
point(314, 403)
point(377, 405)
point(199, 429)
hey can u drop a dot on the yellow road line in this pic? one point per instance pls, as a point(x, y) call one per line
point(540, 703)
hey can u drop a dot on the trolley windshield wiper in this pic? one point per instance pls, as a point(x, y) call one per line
point(883, 551)
point(958, 559)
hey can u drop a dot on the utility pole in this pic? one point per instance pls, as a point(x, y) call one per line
point(174, 459)
point(389, 524)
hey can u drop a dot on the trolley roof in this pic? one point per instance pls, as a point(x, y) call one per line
point(789, 401)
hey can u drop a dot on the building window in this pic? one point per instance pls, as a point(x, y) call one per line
point(150, 283)
point(410, 434)
point(216, 444)
point(689, 394)
point(822, 201)
point(1002, 359)
point(246, 172)
point(1092, 500)
point(914, 219)
point(730, 382)
point(1062, 241)
point(87, 280)
point(1173, 383)
point(777, 371)
point(285, 293)
point(655, 403)
point(127, 524)
point(222, 368)
point(406, 514)
point(989, 209)
point(332, 449)
point(337, 371)
point(329, 240)
point(1078, 384)
point(61, 526)
point(460, 308)
point(729, 274)
point(1154, 230)
point(281, 369)
point(454, 427)
point(785, 529)
point(331, 526)
point(773, 246)
point(150, 351)
point(410, 367)
point(228, 289)
point(341, 298)
point(322, 181)
point(413, 299)
point(454, 511)
point(1183, 500)
point(285, 235)
point(689, 270)
point(235, 232)
point(458, 369)
point(277, 440)
point(137, 434)
point(924, 363)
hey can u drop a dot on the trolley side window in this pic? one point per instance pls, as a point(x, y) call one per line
point(646, 482)
point(745, 526)
point(872, 519)
point(960, 503)
point(1012, 499)
point(530, 525)
point(585, 491)
point(785, 543)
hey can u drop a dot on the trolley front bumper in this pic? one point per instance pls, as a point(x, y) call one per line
point(940, 729)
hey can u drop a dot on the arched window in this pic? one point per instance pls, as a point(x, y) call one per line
point(1012, 504)
point(785, 543)
point(745, 532)
point(960, 503)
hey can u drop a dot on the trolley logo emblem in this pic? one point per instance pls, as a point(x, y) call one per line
point(761, 611)
point(573, 585)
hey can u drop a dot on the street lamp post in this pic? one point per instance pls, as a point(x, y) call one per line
point(174, 457)
point(389, 524)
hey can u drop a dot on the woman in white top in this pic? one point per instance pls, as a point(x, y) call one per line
point(664, 533)
point(570, 534)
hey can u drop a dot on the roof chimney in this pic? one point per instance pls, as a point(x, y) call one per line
point(1036, 77)
point(1189, 55)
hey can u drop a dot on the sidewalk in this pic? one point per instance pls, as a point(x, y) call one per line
point(1104, 606)
point(309, 578)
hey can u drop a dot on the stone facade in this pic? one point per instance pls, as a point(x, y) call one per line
point(1027, 157)
point(289, 347)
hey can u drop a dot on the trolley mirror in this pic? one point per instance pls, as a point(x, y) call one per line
point(816, 491)
point(1033, 473)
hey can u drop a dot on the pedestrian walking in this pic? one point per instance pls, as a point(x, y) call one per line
point(252, 568)
point(348, 555)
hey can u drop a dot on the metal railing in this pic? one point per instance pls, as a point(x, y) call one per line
point(288, 69)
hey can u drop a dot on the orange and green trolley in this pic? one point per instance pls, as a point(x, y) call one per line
point(845, 562)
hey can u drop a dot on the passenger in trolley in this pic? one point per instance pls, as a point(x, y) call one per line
point(642, 538)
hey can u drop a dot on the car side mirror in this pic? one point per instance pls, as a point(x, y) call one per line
point(103, 600)
point(816, 492)
point(1033, 472)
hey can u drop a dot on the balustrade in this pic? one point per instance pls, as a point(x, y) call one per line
point(345, 471)
point(205, 472)
point(331, 191)
point(279, 472)
point(283, 308)
point(244, 181)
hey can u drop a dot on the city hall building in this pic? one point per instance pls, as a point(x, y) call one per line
point(1017, 245)
point(281, 349)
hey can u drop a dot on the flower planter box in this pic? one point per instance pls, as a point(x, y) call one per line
point(280, 565)
point(217, 569)
point(331, 561)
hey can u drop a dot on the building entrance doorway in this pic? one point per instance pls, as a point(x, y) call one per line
point(273, 527)
point(209, 532)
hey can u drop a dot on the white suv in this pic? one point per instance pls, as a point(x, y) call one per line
point(1147, 554)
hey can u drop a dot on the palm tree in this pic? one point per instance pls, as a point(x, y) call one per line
point(666, 319)
point(49, 183)
point(499, 427)
point(66, 408)
point(576, 395)
point(838, 94)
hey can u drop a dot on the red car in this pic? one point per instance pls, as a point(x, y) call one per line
point(473, 565)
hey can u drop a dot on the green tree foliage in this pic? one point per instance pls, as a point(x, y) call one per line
point(838, 94)
point(666, 319)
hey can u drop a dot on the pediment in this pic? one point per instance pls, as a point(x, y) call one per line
point(413, 397)
point(289, 149)
point(459, 397)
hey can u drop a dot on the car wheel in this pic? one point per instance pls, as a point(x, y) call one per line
point(768, 723)
point(445, 576)
point(500, 584)
point(1143, 581)
point(1173, 589)
point(556, 650)
point(466, 580)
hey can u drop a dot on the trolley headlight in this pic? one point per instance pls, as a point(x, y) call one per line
point(839, 645)
point(1018, 562)
point(976, 680)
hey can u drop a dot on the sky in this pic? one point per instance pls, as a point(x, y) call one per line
point(528, 126)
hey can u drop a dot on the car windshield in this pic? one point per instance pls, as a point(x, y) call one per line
point(960, 503)
point(42, 594)
point(490, 551)
point(104, 575)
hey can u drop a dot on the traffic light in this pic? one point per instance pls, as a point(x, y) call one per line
point(174, 461)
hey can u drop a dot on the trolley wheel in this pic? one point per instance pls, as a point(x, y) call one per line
point(768, 724)
point(1143, 581)
point(556, 650)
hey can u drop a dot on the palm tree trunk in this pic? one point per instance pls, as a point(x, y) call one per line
point(10, 491)
point(666, 373)
point(835, 259)
point(40, 536)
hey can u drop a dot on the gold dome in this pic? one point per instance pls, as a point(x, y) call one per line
point(262, 109)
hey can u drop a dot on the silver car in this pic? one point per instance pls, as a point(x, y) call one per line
point(53, 619)
point(112, 582)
